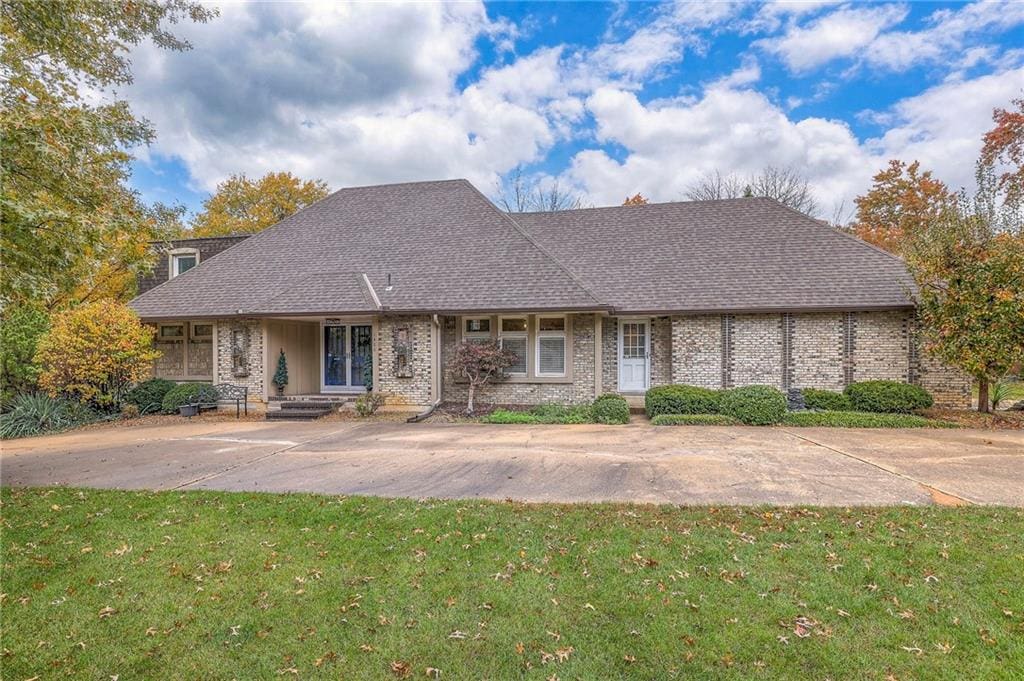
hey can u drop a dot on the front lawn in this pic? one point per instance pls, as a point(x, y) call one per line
point(104, 584)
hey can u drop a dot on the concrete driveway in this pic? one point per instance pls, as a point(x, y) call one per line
point(638, 462)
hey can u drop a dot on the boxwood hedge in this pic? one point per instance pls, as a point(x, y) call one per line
point(826, 400)
point(681, 399)
point(754, 405)
point(887, 397)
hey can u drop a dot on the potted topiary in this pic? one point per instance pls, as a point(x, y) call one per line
point(281, 375)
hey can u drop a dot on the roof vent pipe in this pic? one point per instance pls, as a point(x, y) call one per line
point(388, 287)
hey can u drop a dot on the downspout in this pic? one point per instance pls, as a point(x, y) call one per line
point(436, 382)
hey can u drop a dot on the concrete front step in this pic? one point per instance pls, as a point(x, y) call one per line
point(298, 414)
point(310, 405)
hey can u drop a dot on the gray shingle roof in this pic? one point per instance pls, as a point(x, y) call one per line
point(448, 249)
point(734, 254)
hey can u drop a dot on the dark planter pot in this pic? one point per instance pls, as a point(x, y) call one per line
point(188, 410)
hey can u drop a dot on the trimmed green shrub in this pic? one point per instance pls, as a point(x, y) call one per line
point(694, 420)
point(188, 393)
point(149, 395)
point(36, 413)
point(681, 399)
point(827, 400)
point(754, 405)
point(887, 397)
point(610, 409)
point(862, 419)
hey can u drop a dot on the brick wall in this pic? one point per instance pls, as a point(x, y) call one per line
point(254, 365)
point(697, 350)
point(817, 351)
point(661, 351)
point(757, 350)
point(824, 349)
point(579, 390)
point(414, 389)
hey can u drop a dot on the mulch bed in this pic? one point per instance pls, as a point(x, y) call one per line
point(1001, 420)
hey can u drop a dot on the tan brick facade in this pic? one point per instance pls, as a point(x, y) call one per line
point(805, 350)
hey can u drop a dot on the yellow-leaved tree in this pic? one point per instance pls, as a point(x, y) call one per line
point(241, 205)
point(94, 353)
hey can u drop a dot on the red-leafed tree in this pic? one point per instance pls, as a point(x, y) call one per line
point(480, 363)
point(636, 200)
point(1004, 146)
point(902, 201)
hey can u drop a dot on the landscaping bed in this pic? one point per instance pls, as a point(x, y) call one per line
point(101, 584)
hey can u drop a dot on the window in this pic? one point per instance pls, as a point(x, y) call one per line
point(202, 331)
point(551, 346)
point(512, 337)
point(476, 329)
point(182, 260)
point(172, 331)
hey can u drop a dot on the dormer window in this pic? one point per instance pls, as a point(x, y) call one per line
point(182, 260)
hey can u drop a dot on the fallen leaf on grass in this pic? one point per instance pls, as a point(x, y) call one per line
point(106, 612)
point(401, 669)
point(433, 673)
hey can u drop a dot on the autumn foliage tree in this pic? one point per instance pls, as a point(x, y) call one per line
point(902, 201)
point(244, 206)
point(65, 203)
point(968, 263)
point(636, 200)
point(94, 353)
point(478, 363)
point(1004, 146)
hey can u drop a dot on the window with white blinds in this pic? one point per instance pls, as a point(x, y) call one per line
point(512, 335)
point(550, 346)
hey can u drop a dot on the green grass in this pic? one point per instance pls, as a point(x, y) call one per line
point(694, 420)
point(210, 585)
point(862, 419)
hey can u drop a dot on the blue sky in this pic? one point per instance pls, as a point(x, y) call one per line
point(606, 99)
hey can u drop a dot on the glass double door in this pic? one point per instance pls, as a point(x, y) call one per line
point(348, 356)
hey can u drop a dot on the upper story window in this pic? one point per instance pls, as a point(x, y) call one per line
point(182, 260)
point(512, 337)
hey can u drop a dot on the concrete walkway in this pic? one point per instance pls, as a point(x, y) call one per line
point(638, 462)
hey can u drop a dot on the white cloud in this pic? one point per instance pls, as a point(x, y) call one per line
point(669, 144)
point(863, 34)
point(842, 33)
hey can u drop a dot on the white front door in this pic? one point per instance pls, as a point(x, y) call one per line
point(634, 353)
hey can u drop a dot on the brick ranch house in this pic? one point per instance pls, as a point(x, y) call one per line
point(389, 279)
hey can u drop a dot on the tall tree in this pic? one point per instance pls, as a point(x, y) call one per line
point(968, 262)
point(902, 201)
point(519, 194)
point(63, 158)
point(241, 205)
point(636, 200)
point(1004, 145)
point(785, 185)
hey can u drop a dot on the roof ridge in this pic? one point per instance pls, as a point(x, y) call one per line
point(526, 235)
point(641, 206)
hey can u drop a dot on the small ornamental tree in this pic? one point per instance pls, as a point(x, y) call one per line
point(969, 269)
point(480, 363)
point(94, 353)
point(21, 327)
point(281, 375)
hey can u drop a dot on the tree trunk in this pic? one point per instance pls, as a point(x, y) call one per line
point(469, 401)
point(984, 405)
